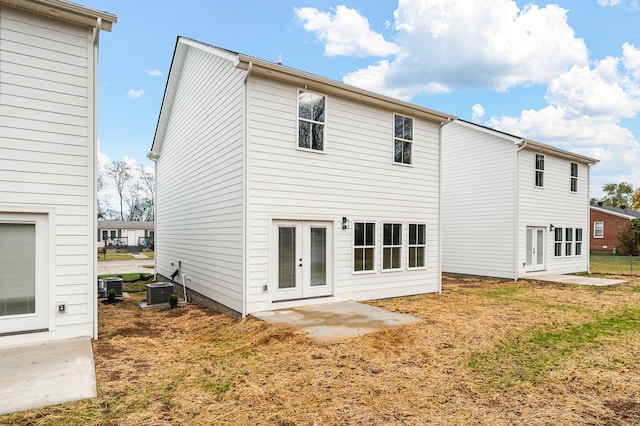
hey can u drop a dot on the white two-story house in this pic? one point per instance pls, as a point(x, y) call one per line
point(278, 188)
point(48, 92)
point(512, 206)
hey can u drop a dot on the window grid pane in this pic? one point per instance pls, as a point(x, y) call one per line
point(363, 246)
point(539, 170)
point(558, 242)
point(417, 245)
point(403, 137)
point(311, 116)
point(391, 245)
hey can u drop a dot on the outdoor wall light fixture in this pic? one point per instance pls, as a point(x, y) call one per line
point(551, 228)
point(345, 222)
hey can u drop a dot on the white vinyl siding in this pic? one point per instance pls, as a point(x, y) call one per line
point(199, 180)
point(553, 206)
point(478, 196)
point(354, 179)
point(47, 153)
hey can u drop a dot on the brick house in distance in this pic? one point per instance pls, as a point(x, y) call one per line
point(606, 224)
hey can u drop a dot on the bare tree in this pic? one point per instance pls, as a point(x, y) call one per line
point(121, 174)
point(148, 183)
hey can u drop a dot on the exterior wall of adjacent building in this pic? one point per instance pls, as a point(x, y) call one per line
point(612, 226)
point(47, 157)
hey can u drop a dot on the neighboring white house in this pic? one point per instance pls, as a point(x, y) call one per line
point(48, 65)
point(510, 205)
point(127, 234)
point(278, 188)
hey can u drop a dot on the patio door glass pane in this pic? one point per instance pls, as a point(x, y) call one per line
point(318, 256)
point(286, 257)
point(17, 269)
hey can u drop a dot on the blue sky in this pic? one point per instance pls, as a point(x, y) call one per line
point(563, 72)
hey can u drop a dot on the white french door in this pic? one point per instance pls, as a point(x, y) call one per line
point(535, 244)
point(302, 259)
point(23, 273)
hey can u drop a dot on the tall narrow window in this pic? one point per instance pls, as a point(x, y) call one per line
point(403, 139)
point(417, 245)
point(391, 245)
point(598, 229)
point(557, 252)
point(311, 112)
point(364, 243)
point(578, 241)
point(568, 242)
point(574, 177)
point(539, 170)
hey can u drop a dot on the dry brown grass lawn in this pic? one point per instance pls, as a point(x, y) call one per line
point(487, 352)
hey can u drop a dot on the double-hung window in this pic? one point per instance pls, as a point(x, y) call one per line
point(403, 139)
point(598, 229)
point(391, 245)
point(578, 241)
point(557, 247)
point(574, 177)
point(364, 246)
point(311, 115)
point(539, 170)
point(568, 242)
point(417, 245)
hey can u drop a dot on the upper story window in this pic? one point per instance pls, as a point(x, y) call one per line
point(539, 170)
point(364, 246)
point(598, 229)
point(402, 139)
point(391, 245)
point(574, 177)
point(417, 245)
point(311, 115)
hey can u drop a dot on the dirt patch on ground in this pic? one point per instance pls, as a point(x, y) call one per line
point(487, 352)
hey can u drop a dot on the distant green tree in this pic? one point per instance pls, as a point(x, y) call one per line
point(630, 238)
point(618, 194)
point(635, 200)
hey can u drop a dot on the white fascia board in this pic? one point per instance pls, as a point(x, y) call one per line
point(65, 11)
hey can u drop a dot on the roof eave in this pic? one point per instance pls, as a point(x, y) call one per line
point(65, 11)
point(322, 84)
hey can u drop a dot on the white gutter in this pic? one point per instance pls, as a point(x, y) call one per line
point(449, 120)
point(516, 206)
point(93, 219)
point(245, 201)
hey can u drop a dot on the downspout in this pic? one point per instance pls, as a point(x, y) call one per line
point(517, 208)
point(245, 201)
point(440, 205)
point(94, 135)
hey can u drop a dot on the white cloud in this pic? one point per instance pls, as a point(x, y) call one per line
point(153, 72)
point(586, 106)
point(477, 112)
point(345, 32)
point(135, 94)
point(450, 45)
point(609, 2)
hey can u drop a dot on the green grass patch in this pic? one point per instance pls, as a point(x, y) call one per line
point(527, 358)
point(614, 264)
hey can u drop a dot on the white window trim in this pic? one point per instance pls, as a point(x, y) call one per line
point(374, 247)
point(324, 123)
point(569, 243)
point(535, 175)
point(560, 241)
point(400, 246)
point(594, 229)
point(573, 178)
point(575, 242)
point(425, 245)
point(394, 138)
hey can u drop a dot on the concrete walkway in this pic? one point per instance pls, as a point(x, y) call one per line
point(35, 376)
point(126, 266)
point(331, 321)
point(572, 279)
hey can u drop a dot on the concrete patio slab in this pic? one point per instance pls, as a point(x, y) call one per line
point(574, 279)
point(331, 321)
point(43, 374)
